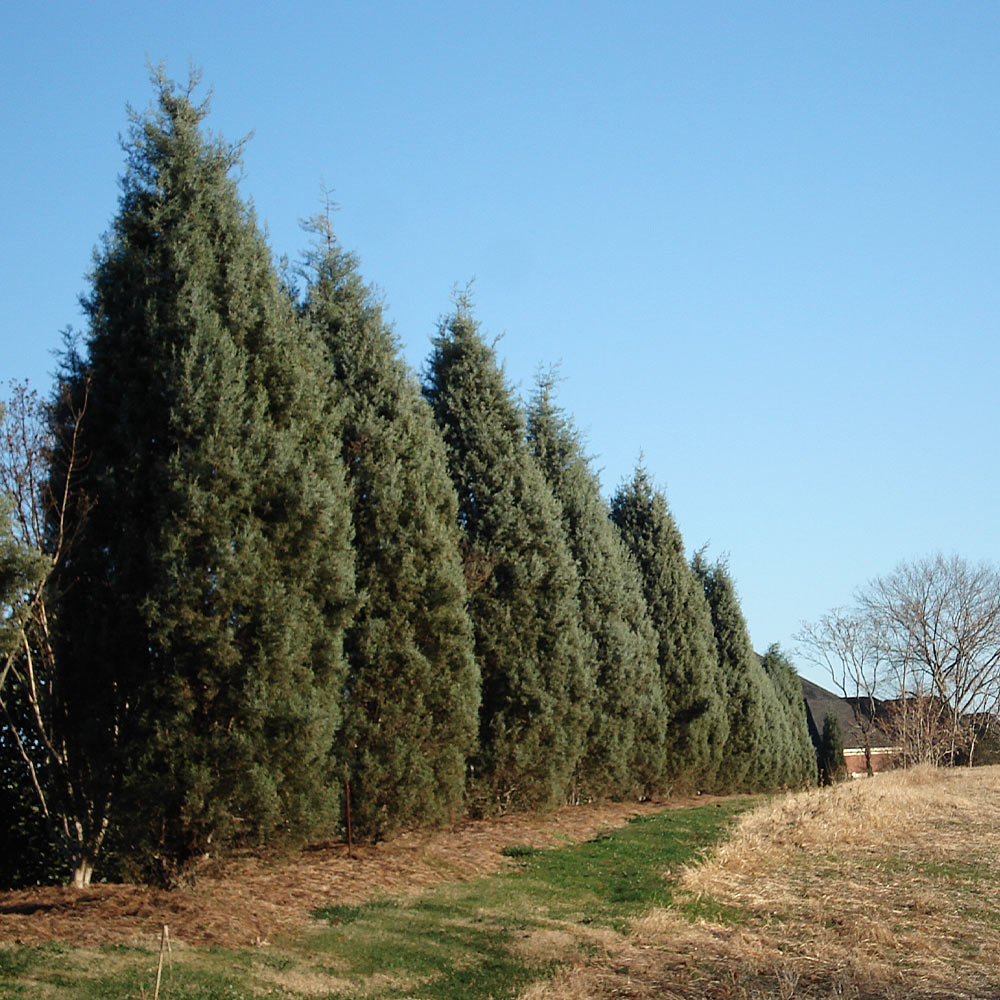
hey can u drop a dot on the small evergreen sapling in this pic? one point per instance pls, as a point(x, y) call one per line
point(831, 757)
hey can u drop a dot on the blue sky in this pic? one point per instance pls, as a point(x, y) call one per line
point(762, 240)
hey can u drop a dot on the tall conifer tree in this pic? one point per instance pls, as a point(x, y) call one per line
point(692, 686)
point(625, 742)
point(208, 593)
point(413, 686)
point(801, 768)
point(776, 762)
point(742, 677)
point(535, 684)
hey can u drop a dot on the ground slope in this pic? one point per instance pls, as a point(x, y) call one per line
point(250, 900)
point(881, 889)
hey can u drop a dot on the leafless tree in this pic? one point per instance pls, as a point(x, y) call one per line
point(941, 624)
point(40, 496)
point(920, 653)
point(848, 646)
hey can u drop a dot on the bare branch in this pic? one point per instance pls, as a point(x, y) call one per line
point(41, 468)
point(927, 638)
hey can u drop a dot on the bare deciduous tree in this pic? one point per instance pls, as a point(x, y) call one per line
point(38, 505)
point(941, 625)
point(920, 650)
point(848, 646)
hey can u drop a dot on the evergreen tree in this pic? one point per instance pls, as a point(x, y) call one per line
point(831, 754)
point(20, 569)
point(536, 688)
point(206, 600)
point(802, 753)
point(696, 726)
point(777, 757)
point(744, 753)
point(625, 743)
point(413, 686)
point(26, 856)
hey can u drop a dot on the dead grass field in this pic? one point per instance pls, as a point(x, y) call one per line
point(885, 888)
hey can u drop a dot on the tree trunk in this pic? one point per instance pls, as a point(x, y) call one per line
point(82, 873)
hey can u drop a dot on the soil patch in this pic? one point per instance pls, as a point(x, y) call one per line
point(249, 901)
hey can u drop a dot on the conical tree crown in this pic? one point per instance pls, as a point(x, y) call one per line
point(413, 686)
point(692, 687)
point(801, 756)
point(831, 755)
point(214, 575)
point(625, 742)
point(535, 681)
point(743, 680)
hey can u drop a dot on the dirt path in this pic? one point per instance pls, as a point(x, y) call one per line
point(250, 901)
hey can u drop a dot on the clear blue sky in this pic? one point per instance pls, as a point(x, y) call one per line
point(762, 239)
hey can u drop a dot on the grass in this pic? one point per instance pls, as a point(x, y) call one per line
point(519, 851)
point(884, 889)
point(492, 937)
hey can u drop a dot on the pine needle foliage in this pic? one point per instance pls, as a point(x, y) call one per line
point(214, 577)
point(776, 765)
point(536, 684)
point(411, 708)
point(692, 687)
point(832, 766)
point(800, 758)
point(625, 742)
point(745, 755)
point(20, 569)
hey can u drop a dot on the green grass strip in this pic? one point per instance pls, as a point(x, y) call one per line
point(459, 941)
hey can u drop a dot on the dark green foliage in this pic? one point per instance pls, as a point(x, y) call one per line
point(20, 569)
point(413, 686)
point(987, 748)
point(692, 686)
point(745, 763)
point(832, 767)
point(536, 689)
point(214, 576)
point(801, 755)
point(625, 743)
point(776, 760)
point(27, 854)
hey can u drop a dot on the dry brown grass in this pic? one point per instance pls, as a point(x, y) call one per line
point(251, 900)
point(888, 888)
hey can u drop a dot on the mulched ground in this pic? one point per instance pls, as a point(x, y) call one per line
point(249, 901)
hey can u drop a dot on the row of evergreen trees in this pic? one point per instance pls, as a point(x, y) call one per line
point(298, 574)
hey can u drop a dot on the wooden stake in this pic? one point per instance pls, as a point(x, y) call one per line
point(164, 945)
point(350, 849)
